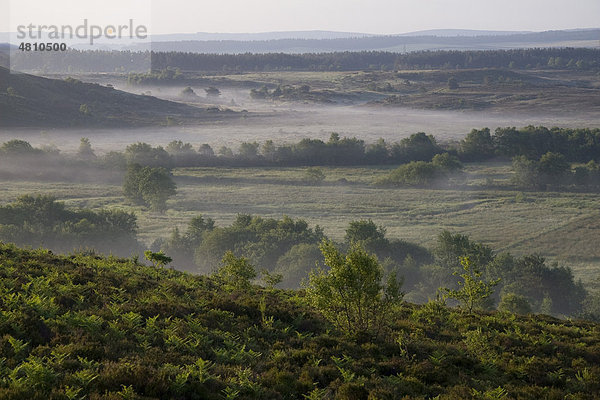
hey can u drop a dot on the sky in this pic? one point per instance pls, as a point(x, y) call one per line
point(372, 16)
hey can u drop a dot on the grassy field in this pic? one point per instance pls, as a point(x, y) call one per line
point(560, 226)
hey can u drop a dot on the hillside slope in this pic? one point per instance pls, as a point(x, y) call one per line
point(85, 326)
point(27, 100)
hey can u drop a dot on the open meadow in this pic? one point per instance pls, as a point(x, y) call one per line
point(563, 227)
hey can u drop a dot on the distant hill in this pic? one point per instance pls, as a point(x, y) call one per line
point(461, 32)
point(427, 40)
point(258, 36)
point(27, 100)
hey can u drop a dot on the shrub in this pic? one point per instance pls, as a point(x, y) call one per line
point(514, 303)
point(474, 291)
point(351, 294)
point(235, 273)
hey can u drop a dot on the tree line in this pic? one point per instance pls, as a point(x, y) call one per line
point(122, 61)
point(41, 221)
point(560, 58)
point(576, 145)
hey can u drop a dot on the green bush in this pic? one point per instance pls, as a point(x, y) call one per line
point(514, 303)
point(351, 293)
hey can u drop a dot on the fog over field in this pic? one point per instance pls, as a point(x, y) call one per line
point(290, 123)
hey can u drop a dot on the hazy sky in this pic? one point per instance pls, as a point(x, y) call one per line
point(373, 16)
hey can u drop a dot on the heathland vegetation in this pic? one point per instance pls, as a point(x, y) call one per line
point(82, 326)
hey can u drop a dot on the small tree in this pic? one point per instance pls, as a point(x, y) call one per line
point(85, 149)
point(206, 151)
point(314, 175)
point(157, 259)
point(474, 291)
point(351, 294)
point(149, 186)
point(553, 165)
point(248, 150)
point(235, 273)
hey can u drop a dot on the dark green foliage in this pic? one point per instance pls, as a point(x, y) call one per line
point(98, 328)
point(289, 93)
point(248, 150)
point(146, 155)
point(473, 290)
point(182, 246)
point(557, 147)
point(295, 264)
point(446, 163)
point(287, 246)
point(526, 172)
point(579, 145)
point(553, 165)
point(514, 303)
point(417, 147)
point(18, 148)
point(396, 255)
point(367, 233)
point(423, 174)
point(212, 59)
point(550, 289)
point(42, 221)
point(235, 273)
point(270, 279)
point(554, 171)
point(180, 153)
point(415, 173)
point(261, 240)
point(150, 186)
point(351, 293)
point(477, 145)
point(158, 259)
point(362, 60)
point(450, 248)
